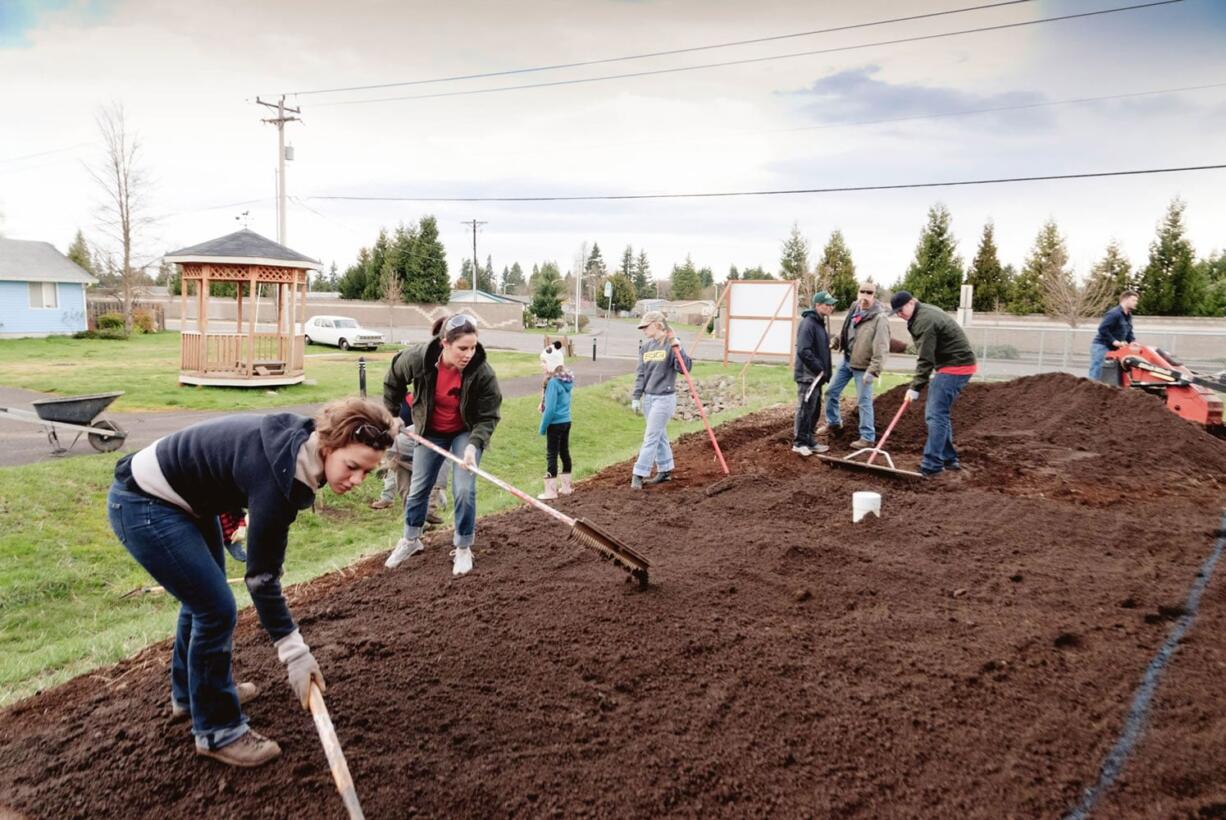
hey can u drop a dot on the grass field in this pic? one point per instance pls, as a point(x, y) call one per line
point(63, 570)
point(147, 368)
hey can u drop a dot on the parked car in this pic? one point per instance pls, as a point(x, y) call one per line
point(340, 331)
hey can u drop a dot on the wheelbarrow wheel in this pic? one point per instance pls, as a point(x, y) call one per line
point(107, 444)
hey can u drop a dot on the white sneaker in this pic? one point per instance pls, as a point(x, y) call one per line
point(801, 449)
point(404, 549)
point(463, 562)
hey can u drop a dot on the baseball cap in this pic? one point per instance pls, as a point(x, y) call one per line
point(824, 298)
point(653, 316)
point(899, 300)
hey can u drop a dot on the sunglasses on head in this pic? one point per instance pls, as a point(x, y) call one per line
point(374, 437)
point(460, 320)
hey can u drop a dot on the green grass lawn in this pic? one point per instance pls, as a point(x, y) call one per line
point(147, 368)
point(63, 571)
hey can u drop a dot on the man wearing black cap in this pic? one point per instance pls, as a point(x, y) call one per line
point(811, 371)
point(941, 346)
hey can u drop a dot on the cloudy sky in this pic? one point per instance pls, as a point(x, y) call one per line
point(188, 74)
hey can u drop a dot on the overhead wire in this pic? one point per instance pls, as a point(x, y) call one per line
point(775, 192)
point(664, 53)
point(754, 60)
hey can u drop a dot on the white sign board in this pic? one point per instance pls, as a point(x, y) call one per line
point(761, 318)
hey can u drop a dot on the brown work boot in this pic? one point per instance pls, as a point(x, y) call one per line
point(380, 504)
point(250, 750)
point(824, 429)
point(246, 692)
point(862, 444)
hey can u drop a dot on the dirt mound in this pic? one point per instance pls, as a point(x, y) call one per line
point(1060, 434)
point(972, 653)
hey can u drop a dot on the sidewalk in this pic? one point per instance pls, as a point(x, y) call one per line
point(22, 443)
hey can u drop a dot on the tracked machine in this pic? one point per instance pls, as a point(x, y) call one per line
point(1187, 394)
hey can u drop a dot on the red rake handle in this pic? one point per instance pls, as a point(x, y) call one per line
point(495, 480)
point(890, 429)
point(702, 411)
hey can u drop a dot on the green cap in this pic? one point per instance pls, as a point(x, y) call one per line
point(824, 298)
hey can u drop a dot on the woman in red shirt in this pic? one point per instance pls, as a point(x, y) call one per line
point(455, 405)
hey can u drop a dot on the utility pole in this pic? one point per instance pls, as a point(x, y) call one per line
point(280, 120)
point(475, 224)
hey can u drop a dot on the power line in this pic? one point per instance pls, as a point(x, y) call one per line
point(780, 192)
point(46, 153)
point(752, 60)
point(669, 52)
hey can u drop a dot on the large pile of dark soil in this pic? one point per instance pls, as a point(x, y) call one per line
point(971, 654)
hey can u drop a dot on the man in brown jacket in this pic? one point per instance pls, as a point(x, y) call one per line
point(865, 342)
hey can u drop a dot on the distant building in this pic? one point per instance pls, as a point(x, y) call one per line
point(688, 312)
point(42, 292)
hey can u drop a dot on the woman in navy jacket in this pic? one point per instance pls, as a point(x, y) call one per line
point(164, 507)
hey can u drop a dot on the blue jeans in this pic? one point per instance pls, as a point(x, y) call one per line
point(184, 554)
point(939, 451)
point(1098, 354)
point(657, 409)
point(426, 466)
point(864, 400)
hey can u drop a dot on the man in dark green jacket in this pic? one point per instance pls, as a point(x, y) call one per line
point(940, 346)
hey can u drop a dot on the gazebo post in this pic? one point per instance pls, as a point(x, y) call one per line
point(238, 323)
point(293, 337)
point(255, 309)
point(182, 313)
point(204, 318)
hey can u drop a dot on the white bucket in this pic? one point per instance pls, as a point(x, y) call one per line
point(863, 503)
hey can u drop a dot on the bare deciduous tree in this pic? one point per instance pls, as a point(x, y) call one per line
point(123, 211)
point(1064, 299)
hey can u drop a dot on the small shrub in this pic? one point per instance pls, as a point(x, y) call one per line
point(109, 321)
point(1002, 352)
point(142, 320)
point(583, 321)
point(105, 333)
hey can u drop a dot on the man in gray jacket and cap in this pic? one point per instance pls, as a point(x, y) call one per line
point(865, 342)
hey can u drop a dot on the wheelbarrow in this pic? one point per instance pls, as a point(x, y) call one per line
point(74, 413)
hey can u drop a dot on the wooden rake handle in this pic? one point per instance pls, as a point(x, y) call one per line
point(702, 411)
point(336, 757)
point(496, 481)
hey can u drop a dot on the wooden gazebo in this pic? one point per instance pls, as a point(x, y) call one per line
point(243, 353)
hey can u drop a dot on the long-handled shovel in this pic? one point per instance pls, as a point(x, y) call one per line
point(336, 757)
point(868, 465)
point(702, 411)
point(585, 533)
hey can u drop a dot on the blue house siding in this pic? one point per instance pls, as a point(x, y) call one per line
point(17, 318)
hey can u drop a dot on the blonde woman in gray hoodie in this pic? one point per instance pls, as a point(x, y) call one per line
point(655, 398)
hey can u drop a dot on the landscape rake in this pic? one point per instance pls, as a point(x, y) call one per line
point(849, 462)
point(585, 533)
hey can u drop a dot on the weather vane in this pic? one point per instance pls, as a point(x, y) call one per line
point(243, 216)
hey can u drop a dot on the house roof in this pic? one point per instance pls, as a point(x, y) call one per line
point(24, 260)
point(245, 247)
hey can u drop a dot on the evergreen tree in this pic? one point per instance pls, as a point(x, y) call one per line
point(485, 278)
point(706, 278)
point(733, 273)
point(935, 275)
point(1172, 284)
point(624, 294)
point(642, 276)
point(514, 280)
point(1113, 268)
point(755, 273)
point(794, 263)
point(1046, 267)
point(837, 271)
point(546, 300)
point(466, 274)
point(627, 265)
point(1213, 272)
point(427, 281)
point(594, 272)
point(685, 281)
point(78, 252)
point(353, 284)
point(987, 275)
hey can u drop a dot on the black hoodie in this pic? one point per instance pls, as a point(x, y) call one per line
point(812, 349)
point(236, 462)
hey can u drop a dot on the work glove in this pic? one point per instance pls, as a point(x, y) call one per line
point(675, 341)
point(637, 406)
point(470, 456)
point(913, 395)
point(301, 666)
point(868, 378)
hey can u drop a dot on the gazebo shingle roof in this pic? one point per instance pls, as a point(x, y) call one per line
point(246, 245)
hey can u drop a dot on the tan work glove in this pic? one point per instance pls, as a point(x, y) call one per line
point(301, 666)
